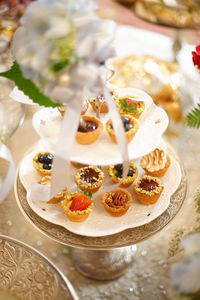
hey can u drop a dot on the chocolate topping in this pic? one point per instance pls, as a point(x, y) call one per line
point(148, 185)
point(87, 126)
point(89, 175)
point(117, 199)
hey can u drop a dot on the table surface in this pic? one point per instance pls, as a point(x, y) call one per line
point(148, 277)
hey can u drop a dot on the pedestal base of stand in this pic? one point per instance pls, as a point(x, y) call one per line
point(103, 265)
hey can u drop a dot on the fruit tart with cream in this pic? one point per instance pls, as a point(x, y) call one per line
point(77, 206)
point(156, 163)
point(148, 189)
point(129, 105)
point(116, 202)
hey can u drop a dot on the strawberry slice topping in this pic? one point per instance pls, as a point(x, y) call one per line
point(130, 101)
point(80, 202)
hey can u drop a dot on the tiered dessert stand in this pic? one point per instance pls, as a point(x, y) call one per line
point(97, 240)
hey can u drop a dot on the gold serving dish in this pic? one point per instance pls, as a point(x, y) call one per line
point(172, 13)
point(25, 274)
point(159, 78)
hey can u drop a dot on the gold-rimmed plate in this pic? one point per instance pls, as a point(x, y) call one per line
point(26, 274)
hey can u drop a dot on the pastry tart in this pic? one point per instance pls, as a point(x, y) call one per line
point(62, 109)
point(156, 163)
point(129, 105)
point(148, 189)
point(77, 206)
point(89, 179)
point(88, 130)
point(116, 202)
point(131, 126)
point(103, 107)
point(115, 172)
point(46, 180)
point(42, 162)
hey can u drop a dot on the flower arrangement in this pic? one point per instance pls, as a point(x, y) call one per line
point(58, 49)
point(193, 118)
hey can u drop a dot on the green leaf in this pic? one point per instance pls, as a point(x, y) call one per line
point(128, 107)
point(193, 118)
point(28, 87)
point(60, 65)
point(88, 194)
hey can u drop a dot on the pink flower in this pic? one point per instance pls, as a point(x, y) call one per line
point(196, 57)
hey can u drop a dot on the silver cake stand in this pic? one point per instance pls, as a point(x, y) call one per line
point(104, 257)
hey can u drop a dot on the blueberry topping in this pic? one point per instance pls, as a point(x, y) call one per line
point(127, 123)
point(119, 171)
point(47, 166)
point(125, 120)
point(131, 172)
point(45, 159)
point(119, 167)
point(118, 174)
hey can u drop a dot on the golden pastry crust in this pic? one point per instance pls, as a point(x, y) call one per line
point(62, 109)
point(46, 180)
point(148, 196)
point(125, 182)
point(78, 215)
point(116, 202)
point(103, 105)
point(39, 166)
point(129, 134)
point(125, 109)
point(97, 179)
point(90, 137)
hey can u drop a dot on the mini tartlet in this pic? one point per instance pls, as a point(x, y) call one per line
point(88, 130)
point(46, 180)
point(103, 107)
point(42, 162)
point(116, 202)
point(115, 172)
point(62, 109)
point(148, 189)
point(131, 126)
point(156, 163)
point(129, 105)
point(77, 206)
point(89, 179)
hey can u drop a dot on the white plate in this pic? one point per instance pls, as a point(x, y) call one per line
point(137, 215)
point(153, 123)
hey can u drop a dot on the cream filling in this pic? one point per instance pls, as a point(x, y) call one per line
point(154, 161)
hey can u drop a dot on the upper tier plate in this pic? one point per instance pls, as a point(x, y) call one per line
point(153, 123)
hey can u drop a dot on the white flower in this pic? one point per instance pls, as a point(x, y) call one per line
point(56, 37)
point(185, 274)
